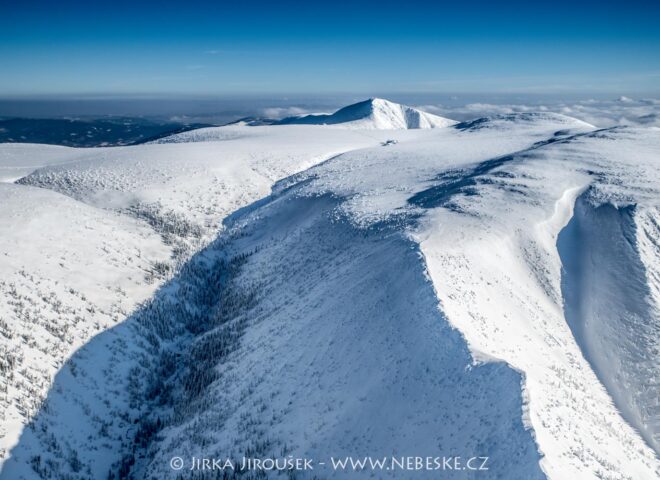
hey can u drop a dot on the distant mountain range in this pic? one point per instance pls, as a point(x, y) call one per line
point(88, 132)
point(374, 113)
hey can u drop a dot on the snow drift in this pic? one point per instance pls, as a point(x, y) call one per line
point(610, 305)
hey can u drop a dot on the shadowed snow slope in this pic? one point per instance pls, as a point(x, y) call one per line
point(106, 227)
point(434, 295)
point(374, 113)
point(601, 251)
point(313, 338)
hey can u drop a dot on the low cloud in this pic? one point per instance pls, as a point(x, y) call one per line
point(602, 113)
point(282, 112)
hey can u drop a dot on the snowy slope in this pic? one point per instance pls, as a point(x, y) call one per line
point(20, 159)
point(374, 113)
point(488, 232)
point(340, 351)
point(105, 229)
point(499, 280)
point(203, 174)
point(488, 289)
point(69, 271)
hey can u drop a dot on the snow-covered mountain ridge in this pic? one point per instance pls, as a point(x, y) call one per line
point(371, 114)
point(407, 292)
point(374, 113)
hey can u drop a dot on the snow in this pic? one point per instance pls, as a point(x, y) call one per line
point(488, 288)
point(85, 238)
point(489, 243)
point(345, 352)
point(498, 281)
point(68, 272)
point(18, 160)
point(205, 175)
point(374, 113)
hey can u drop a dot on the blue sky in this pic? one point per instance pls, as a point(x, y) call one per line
point(255, 47)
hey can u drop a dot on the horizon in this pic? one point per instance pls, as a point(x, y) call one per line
point(599, 110)
point(349, 239)
point(174, 50)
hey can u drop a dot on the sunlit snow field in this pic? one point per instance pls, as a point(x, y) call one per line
point(378, 281)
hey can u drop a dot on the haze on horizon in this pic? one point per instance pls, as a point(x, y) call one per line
point(209, 48)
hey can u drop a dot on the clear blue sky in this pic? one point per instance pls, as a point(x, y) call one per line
point(261, 47)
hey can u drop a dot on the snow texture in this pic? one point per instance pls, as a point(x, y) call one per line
point(490, 288)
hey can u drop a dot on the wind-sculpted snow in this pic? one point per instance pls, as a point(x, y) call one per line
point(18, 160)
point(495, 266)
point(203, 180)
point(489, 238)
point(466, 181)
point(400, 292)
point(617, 333)
point(380, 182)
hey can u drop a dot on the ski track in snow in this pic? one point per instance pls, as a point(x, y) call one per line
point(408, 298)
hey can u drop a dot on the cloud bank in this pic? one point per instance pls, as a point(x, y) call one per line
point(282, 112)
point(602, 113)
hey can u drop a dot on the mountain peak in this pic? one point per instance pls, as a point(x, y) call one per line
point(374, 114)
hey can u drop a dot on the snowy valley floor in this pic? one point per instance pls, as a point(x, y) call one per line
point(490, 288)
